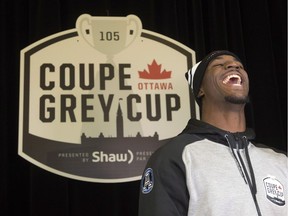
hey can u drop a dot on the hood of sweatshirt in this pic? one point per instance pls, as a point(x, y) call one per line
point(215, 134)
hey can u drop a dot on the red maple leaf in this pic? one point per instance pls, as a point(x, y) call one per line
point(154, 72)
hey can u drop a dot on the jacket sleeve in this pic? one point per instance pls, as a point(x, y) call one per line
point(163, 190)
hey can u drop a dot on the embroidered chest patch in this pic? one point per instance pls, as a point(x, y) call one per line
point(274, 190)
point(147, 181)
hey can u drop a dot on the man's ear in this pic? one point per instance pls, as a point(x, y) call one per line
point(201, 93)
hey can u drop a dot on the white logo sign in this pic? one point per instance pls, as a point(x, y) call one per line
point(96, 101)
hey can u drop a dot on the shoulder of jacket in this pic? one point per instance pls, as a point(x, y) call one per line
point(176, 145)
point(271, 151)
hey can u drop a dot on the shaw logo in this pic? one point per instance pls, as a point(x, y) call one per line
point(96, 100)
point(112, 157)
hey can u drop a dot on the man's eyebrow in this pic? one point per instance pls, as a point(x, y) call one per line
point(217, 58)
point(221, 57)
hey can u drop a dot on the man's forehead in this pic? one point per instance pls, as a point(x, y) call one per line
point(225, 56)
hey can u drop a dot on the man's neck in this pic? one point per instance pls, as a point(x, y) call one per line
point(229, 118)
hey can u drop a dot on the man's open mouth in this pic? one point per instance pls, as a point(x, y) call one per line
point(233, 79)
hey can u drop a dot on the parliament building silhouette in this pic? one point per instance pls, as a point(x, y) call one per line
point(101, 139)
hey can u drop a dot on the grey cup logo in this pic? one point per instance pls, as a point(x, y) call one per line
point(274, 191)
point(96, 101)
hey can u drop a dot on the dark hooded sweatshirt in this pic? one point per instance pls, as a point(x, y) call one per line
point(206, 171)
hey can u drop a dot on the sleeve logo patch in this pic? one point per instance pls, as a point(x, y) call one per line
point(147, 181)
point(274, 191)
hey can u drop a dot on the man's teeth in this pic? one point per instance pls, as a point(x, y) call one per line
point(235, 79)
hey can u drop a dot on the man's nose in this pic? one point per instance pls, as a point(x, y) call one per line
point(232, 65)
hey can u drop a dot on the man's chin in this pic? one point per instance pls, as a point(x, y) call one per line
point(237, 100)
